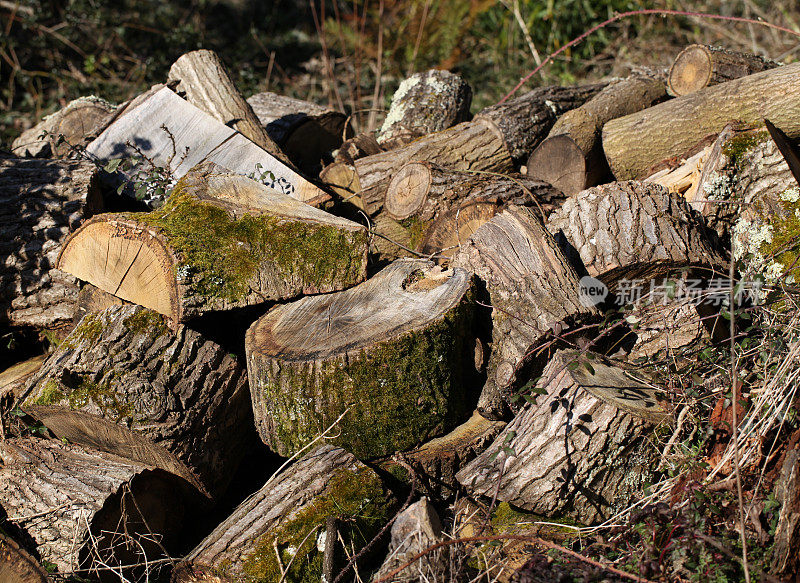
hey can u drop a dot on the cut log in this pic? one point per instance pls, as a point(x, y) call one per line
point(86, 510)
point(92, 299)
point(525, 121)
point(699, 66)
point(684, 176)
point(14, 379)
point(392, 352)
point(359, 146)
point(281, 526)
point(635, 143)
point(201, 77)
point(174, 134)
point(785, 560)
point(581, 451)
point(307, 132)
point(571, 158)
point(80, 121)
point(220, 241)
point(534, 292)
point(18, 566)
point(124, 383)
point(425, 103)
point(43, 200)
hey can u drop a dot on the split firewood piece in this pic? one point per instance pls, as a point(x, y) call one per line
point(85, 509)
point(164, 130)
point(74, 125)
point(699, 66)
point(17, 565)
point(635, 143)
point(392, 353)
point(124, 383)
point(201, 77)
point(534, 292)
point(684, 175)
point(526, 120)
point(423, 104)
point(43, 200)
point(571, 158)
point(581, 450)
point(14, 379)
point(282, 526)
point(631, 230)
point(307, 132)
point(220, 241)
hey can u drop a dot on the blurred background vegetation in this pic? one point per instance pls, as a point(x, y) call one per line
point(349, 54)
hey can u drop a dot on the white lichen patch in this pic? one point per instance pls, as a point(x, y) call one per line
point(791, 195)
point(424, 83)
point(718, 187)
point(748, 239)
point(552, 106)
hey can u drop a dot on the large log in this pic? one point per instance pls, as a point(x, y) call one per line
point(85, 510)
point(425, 103)
point(43, 200)
point(699, 66)
point(580, 451)
point(635, 143)
point(220, 241)
point(392, 352)
point(534, 292)
point(281, 526)
point(571, 158)
point(124, 383)
point(17, 565)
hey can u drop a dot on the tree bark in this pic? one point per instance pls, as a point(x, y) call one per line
point(43, 200)
point(124, 383)
point(533, 290)
point(390, 351)
point(635, 143)
point(423, 104)
point(571, 158)
point(525, 121)
point(785, 561)
point(699, 66)
point(474, 145)
point(285, 518)
point(221, 241)
point(18, 566)
point(580, 451)
point(82, 508)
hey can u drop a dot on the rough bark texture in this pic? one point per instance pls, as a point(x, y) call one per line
point(474, 145)
point(221, 241)
point(124, 383)
point(81, 507)
point(42, 201)
point(533, 291)
point(423, 104)
point(699, 66)
point(201, 77)
point(571, 158)
point(526, 120)
point(18, 566)
point(632, 230)
point(580, 451)
point(785, 559)
point(290, 511)
point(392, 351)
point(78, 122)
point(635, 143)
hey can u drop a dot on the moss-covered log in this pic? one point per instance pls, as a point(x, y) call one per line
point(17, 565)
point(533, 290)
point(581, 451)
point(392, 352)
point(699, 66)
point(284, 523)
point(220, 241)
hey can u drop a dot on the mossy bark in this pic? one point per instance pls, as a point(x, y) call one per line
point(391, 352)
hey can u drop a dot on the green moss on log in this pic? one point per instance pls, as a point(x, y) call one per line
point(146, 321)
point(740, 144)
point(417, 229)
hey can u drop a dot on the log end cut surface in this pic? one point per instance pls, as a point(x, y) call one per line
point(691, 70)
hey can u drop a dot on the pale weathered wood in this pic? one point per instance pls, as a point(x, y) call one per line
point(221, 241)
point(635, 143)
point(17, 565)
point(124, 383)
point(80, 507)
point(14, 378)
point(42, 201)
point(580, 451)
point(392, 352)
point(288, 514)
point(699, 66)
point(533, 290)
point(193, 136)
point(571, 158)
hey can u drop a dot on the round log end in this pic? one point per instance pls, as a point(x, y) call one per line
point(408, 190)
point(691, 70)
point(561, 162)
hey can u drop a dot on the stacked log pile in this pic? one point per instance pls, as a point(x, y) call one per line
point(246, 308)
